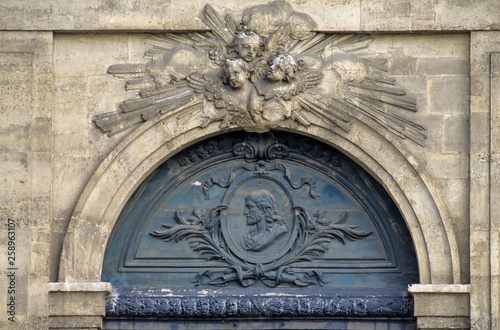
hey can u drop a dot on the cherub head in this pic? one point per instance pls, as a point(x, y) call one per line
point(248, 44)
point(282, 66)
point(237, 73)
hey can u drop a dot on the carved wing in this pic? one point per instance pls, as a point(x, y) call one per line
point(162, 83)
point(381, 102)
point(307, 80)
point(334, 78)
point(213, 90)
point(279, 40)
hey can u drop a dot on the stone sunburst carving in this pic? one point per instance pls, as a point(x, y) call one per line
point(267, 70)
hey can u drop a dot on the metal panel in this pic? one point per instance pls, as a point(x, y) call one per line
point(260, 225)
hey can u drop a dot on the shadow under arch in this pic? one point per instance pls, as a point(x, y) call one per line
point(150, 145)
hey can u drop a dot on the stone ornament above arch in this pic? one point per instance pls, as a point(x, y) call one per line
point(265, 70)
point(199, 85)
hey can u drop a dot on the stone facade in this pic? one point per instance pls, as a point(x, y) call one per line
point(65, 182)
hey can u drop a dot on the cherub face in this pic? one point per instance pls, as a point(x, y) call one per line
point(248, 50)
point(276, 72)
point(282, 67)
point(236, 74)
point(248, 45)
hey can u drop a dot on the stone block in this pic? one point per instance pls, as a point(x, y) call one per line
point(454, 322)
point(83, 298)
point(75, 322)
point(107, 93)
point(53, 14)
point(403, 66)
point(15, 190)
point(38, 298)
point(479, 248)
point(443, 66)
point(88, 54)
point(374, 15)
point(41, 174)
point(448, 165)
point(455, 193)
point(480, 89)
point(15, 109)
point(38, 44)
point(77, 305)
point(456, 14)
point(456, 133)
point(16, 62)
point(409, 16)
point(69, 177)
point(70, 119)
point(441, 300)
point(437, 46)
point(148, 15)
point(339, 15)
point(482, 44)
point(449, 94)
point(479, 133)
point(433, 132)
point(480, 300)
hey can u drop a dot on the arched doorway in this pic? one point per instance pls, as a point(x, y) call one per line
point(266, 226)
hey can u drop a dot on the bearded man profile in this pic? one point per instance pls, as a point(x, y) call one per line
point(261, 212)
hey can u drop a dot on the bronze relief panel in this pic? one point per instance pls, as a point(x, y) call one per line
point(240, 214)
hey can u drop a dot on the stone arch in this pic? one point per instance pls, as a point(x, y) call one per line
point(145, 149)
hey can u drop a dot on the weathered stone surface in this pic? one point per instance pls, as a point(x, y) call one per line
point(440, 100)
point(77, 305)
point(452, 322)
point(482, 204)
point(441, 306)
point(53, 80)
point(365, 15)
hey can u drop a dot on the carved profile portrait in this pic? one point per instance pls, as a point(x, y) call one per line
point(263, 216)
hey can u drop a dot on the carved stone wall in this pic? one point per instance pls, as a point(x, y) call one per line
point(65, 182)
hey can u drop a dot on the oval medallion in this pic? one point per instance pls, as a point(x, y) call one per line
point(259, 223)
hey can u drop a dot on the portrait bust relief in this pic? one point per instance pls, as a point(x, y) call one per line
point(269, 227)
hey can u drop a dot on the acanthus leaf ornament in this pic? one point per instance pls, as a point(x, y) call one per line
point(268, 70)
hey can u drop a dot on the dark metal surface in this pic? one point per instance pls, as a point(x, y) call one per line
point(264, 220)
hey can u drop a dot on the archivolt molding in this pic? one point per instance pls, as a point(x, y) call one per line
point(157, 140)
